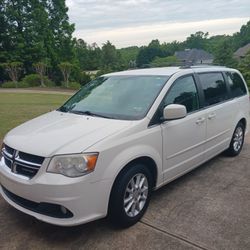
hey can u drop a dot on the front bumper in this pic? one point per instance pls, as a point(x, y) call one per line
point(85, 199)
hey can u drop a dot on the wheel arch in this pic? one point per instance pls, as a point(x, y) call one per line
point(146, 161)
point(240, 118)
point(243, 121)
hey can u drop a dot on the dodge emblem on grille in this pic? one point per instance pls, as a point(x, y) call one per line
point(13, 165)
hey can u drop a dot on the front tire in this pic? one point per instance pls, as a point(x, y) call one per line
point(130, 195)
point(237, 140)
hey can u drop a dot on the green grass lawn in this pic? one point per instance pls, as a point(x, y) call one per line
point(16, 108)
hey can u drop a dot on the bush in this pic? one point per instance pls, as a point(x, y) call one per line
point(22, 85)
point(33, 80)
point(103, 72)
point(48, 82)
point(72, 85)
point(164, 61)
point(84, 78)
point(8, 85)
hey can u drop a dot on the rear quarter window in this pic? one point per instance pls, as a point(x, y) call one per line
point(236, 84)
point(214, 88)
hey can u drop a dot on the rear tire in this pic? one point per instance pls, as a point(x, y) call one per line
point(130, 196)
point(237, 141)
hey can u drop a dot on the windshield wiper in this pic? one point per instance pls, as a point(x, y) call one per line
point(63, 109)
point(90, 113)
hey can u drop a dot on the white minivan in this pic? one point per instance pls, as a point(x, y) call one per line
point(118, 138)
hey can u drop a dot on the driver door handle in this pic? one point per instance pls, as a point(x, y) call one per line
point(200, 121)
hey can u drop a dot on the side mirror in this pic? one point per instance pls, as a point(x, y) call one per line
point(174, 112)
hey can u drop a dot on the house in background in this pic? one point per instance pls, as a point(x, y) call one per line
point(194, 56)
point(241, 52)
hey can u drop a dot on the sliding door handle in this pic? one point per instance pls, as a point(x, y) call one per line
point(211, 116)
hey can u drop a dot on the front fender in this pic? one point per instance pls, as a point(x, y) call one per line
point(128, 155)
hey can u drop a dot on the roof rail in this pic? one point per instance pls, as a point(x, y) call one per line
point(201, 66)
point(185, 67)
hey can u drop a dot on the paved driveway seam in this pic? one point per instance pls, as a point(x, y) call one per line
point(178, 237)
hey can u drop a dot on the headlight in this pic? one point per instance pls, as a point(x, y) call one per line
point(73, 165)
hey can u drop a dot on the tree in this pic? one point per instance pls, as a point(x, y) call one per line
point(170, 48)
point(197, 40)
point(41, 69)
point(13, 69)
point(148, 53)
point(214, 41)
point(66, 69)
point(31, 31)
point(88, 56)
point(239, 39)
point(109, 54)
point(129, 55)
point(244, 67)
point(82, 53)
point(62, 41)
point(224, 54)
point(154, 44)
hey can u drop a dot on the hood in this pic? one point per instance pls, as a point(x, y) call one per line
point(61, 133)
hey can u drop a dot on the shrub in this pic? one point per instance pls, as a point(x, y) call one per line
point(72, 85)
point(84, 78)
point(9, 84)
point(33, 80)
point(165, 61)
point(22, 85)
point(48, 82)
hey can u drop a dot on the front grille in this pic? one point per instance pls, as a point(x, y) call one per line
point(7, 162)
point(9, 149)
point(49, 209)
point(31, 158)
point(22, 163)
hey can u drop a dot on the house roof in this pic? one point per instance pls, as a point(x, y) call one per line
point(241, 52)
point(192, 55)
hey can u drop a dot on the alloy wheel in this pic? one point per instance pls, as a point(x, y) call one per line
point(136, 194)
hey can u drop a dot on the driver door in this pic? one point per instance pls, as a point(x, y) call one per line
point(183, 139)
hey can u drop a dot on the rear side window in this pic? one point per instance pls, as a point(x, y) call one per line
point(236, 84)
point(184, 92)
point(214, 88)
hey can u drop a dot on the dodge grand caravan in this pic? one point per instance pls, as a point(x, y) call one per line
point(120, 137)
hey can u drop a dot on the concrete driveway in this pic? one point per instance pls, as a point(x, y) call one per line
point(208, 208)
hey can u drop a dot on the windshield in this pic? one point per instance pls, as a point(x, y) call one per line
point(116, 97)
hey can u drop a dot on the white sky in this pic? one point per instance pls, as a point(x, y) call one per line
point(137, 22)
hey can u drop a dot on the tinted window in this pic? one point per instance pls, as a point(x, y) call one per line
point(214, 87)
point(183, 92)
point(236, 83)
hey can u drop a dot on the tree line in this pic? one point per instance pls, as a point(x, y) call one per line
point(37, 47)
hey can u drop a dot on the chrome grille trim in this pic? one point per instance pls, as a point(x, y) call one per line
point(19, 160)
point(27, 166)
point(6, 154)
point(19, 166)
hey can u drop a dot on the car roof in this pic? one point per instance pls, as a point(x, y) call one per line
point(167, 71)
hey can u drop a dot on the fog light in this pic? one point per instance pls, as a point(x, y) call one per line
point(63, 209)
